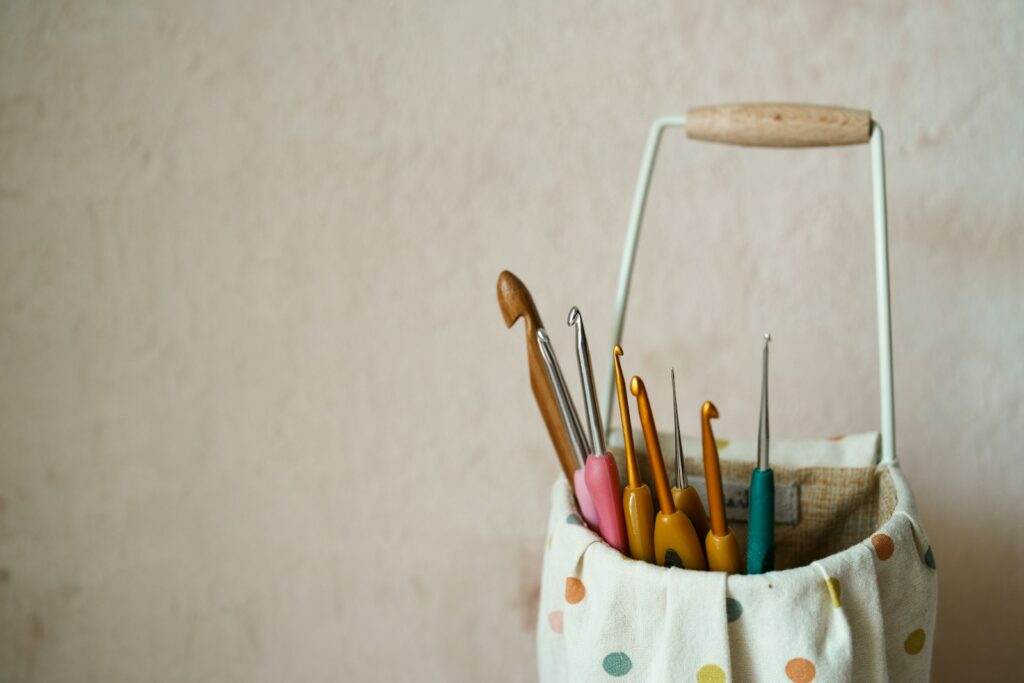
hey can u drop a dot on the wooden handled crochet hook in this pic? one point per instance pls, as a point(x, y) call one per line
point(685, 496)
point(675, 541)
point(515, 302)
point(636, 497)
point(720, 543)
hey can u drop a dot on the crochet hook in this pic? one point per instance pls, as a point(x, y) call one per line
point(515, 302)
point(761, 536)
point(636, 497)
point(600, 471)
point(675, 541)
point(571, 422)
point(685, 496)
point(720, 543)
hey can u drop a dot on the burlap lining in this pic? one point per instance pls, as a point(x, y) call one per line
point(839, 507)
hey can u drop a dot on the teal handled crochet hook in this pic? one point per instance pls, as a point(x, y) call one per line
point(761, 528)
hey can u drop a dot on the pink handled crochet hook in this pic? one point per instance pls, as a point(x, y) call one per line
point(572, 426)
point(601, 472)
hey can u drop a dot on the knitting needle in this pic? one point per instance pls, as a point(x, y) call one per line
point(720, 543)
point(675, 541)
point(761, 535)
point(600, 471)
point(636, 498)
point(572, 426)
point(685, 496)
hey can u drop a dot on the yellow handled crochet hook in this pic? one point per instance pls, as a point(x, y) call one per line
point(685, 496)
point(675, 541)
point(720, 543)
point(636, 497)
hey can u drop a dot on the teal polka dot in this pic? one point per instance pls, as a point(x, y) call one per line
point(573, 519)
point(733, 609)
point(617, 664)
point(929, 558)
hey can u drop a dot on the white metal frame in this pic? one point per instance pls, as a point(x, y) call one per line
point(881, 271)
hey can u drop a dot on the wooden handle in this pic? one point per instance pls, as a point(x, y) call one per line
point(515, 302)
point(779, 125)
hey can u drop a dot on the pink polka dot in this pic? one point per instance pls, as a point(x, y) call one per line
point(556, 620)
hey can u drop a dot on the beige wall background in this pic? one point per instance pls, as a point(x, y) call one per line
point(260, 419)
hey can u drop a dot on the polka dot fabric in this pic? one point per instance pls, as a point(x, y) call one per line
point(866, 613)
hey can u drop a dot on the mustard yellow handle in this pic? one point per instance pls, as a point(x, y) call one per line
point(688, 501)
point(723, 552)
point(639, 509)
point(675, 542)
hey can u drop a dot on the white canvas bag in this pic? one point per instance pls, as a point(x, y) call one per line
point(856, 593)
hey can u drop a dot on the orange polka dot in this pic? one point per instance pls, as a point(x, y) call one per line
point(575, 591)
point(884, 546)
point(837, 437)
point(556, 620)
point(800, 670)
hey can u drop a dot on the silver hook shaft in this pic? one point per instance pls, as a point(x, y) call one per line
point(565, 405)
point(762, 427)
point(681, 480)
point(590, 403)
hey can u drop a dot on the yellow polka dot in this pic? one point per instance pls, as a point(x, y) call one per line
point(575, 591)
point(914, 642)
point(800, 670)
point(722, 443)
point(711, 673)
point(834, 591)
point(550, 539)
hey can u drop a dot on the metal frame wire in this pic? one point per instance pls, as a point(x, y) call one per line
point(636, 216)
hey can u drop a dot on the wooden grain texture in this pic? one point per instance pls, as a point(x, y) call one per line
point(779, 125)
point(515, 302)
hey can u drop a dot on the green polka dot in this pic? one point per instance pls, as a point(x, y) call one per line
point(914, 642)
point(573, 519)
point(617, 664)
point(711, 673)
point(929, 558)
point(733, 609)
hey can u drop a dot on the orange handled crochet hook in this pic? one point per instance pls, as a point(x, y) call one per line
point(675, 541)
point(720, 543)
point(685, 496)
point(636, 497)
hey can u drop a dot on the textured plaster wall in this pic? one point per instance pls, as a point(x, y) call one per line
point(260, 419)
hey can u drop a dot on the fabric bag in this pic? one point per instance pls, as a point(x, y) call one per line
point(859, 603)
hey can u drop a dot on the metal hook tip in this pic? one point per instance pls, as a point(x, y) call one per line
point(574, 315)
